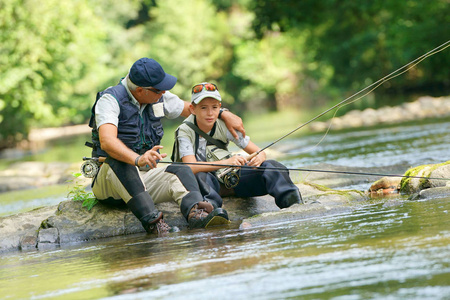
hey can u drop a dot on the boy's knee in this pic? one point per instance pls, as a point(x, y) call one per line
point(184, 175)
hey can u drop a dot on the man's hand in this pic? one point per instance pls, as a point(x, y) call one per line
point(151, 157)
point(234, 123)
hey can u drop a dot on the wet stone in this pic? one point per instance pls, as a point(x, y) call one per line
point(49, 235)
point(28, 242)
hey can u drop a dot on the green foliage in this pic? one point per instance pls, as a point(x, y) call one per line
point(54, 57)
point(364, 41)
point(78, 193)
point(42, 61)
point(274, 55)
point(191, 41)
point(275, 68)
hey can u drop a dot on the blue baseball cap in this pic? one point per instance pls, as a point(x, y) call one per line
point(147, 72)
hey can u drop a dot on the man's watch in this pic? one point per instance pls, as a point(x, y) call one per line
point(221, 111)
point(136, 161)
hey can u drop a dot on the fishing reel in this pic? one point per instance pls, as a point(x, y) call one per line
point(229, 177)
point(90, 166)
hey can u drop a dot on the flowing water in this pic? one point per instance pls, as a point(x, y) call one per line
point(391, 249)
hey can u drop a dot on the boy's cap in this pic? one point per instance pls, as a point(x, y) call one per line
point(197, 97)
point(147, 72)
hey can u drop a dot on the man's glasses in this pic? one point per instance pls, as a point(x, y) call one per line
point(156, 91)
point(208, 86)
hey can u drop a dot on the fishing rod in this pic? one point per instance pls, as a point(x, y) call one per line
point(230, 172)
point(386, 78)
point(90, 169)
point(90, 166)
point(302, 170)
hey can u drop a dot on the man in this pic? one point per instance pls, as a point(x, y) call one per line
point(126, 129)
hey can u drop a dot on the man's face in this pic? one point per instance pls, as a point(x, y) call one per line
point(148, 95)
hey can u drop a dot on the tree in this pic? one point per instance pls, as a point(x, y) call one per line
point(364, 40)
point(54, 57)
point(191, 40)
point(47, 47)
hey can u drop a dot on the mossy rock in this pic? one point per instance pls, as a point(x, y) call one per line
point(410, 185)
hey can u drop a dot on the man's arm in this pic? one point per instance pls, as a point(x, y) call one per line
point(118, 150)
point(233, 122)
point(186, 112)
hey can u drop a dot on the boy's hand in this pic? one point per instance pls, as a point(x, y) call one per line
point(151, 157)
point(236, 160)
point(257, 160)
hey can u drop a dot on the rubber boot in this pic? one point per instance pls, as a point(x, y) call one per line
point(144, 209)
point(289, 199)
point(203, 215)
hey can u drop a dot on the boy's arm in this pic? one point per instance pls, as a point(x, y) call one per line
point(200, 166)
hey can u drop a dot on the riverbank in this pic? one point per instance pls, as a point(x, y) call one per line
point(421, 109)
point(70, 222)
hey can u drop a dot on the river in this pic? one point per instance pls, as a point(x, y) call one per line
point(391, 249)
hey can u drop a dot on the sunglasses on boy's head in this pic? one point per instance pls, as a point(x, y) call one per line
point(156, 91)
point(208, 86)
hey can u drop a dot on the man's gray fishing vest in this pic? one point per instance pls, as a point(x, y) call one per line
point(139, 133)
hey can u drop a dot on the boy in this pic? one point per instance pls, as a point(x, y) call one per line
point(202, 139)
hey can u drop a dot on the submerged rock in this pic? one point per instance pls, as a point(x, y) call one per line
point(385, 185)
point(325, 201)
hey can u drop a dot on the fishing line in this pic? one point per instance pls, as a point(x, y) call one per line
point(300, 169)
point(372, 87)
point(348, 100)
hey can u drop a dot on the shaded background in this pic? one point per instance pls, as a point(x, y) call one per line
point(264, 55)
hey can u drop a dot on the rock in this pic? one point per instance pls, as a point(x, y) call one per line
point(415, 185)
point(431, 193)
point(25, 175)
point(20, 231)
point(320, 202)
point(69, 222)
point(385, 185)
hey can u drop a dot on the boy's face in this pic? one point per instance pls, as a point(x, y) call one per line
point(207, 111)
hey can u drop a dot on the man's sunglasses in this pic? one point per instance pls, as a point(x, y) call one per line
point(208, 86)
point(156, 91)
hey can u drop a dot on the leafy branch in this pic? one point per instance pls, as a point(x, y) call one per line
point(78, 193)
